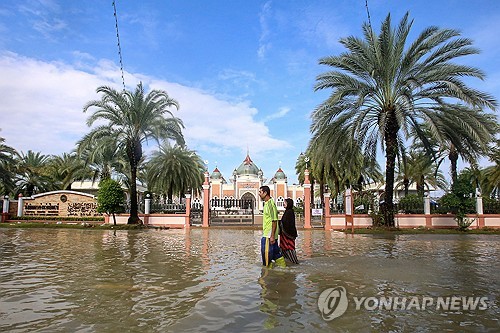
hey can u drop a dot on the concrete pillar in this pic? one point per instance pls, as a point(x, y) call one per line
point(147, 205)
point(479, 209)
point(307, 200)
point(206, 200)
point(5, 204)
point(188, 211)
point(20, 205)
point(427, 211)
point(328, 225)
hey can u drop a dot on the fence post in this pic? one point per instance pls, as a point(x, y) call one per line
point(307, 200)
point(20, 205)
point(328, 225)
point(188, 211)
point(206, 206)
point(5, 209)
point(479, 209)
point(427, 211)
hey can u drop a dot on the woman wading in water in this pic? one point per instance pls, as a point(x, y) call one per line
point(288, 232)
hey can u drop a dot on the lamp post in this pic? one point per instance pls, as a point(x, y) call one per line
point(307, 197)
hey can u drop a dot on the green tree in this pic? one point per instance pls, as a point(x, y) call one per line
point(110, 198)
point(173, 170)
point(490, 175)
point(103, 158)
point(33, 175)
point(460, 201)
point(131, 119)
point(65, 169)
point(462, 132)
point(416, 167)
point(383, 88)
point(7, 162)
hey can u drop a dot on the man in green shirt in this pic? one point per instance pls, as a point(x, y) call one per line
point(270, 230)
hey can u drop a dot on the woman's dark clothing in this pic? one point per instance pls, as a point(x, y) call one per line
point(288, 233)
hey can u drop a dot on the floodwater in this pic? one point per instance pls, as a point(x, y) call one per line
point(211, 280)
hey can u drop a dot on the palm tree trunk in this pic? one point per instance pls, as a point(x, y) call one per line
point(391, 144)
point(421, 186)
point(134, 209)
point(406, 184)
point(453, 156)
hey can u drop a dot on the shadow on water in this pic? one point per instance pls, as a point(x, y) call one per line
point(212, 280)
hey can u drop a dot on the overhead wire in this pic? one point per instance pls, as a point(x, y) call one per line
point(119, 45)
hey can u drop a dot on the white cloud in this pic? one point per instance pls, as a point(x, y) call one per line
point(42, 106)
point(264, 44)
point(280, 114)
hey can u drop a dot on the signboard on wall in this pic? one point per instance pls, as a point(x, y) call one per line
point(317, 212)
point(61, 203)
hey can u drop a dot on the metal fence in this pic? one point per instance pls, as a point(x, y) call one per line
point(232, 205)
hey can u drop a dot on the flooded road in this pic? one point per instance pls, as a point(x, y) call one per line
point(212, 280)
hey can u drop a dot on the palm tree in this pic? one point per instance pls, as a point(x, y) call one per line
point(102, 158)
point(463, 132)
point(32, 173)
point(491, 174)
point(417, 168)
point(173, 170)
point(7, 161)
point(382, 88)
point(132, 119)
point(65, 169)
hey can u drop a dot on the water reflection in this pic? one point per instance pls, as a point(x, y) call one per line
point(212, 280)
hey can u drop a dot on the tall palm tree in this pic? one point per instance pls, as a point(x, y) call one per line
point(173, 170)
point(7, 161)
point(131, 119)
point(383, 87)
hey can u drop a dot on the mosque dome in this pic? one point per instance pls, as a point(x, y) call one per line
point(247, 167)
point(279, 175)
point(216, 174)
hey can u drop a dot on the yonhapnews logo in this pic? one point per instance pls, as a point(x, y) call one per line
point(333, 303)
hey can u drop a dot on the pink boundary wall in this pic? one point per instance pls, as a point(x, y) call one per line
point(176, 221)
point(337, 221)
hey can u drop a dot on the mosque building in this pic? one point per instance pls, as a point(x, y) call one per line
point(246, 181)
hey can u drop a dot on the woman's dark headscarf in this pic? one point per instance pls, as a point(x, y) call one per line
point(288, 220)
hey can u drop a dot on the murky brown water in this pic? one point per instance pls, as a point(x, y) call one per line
point(212, 280)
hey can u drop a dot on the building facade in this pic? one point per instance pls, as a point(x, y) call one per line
point(245, 182)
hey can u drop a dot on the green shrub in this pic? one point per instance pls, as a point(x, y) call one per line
point(491, 206)
point(411, 204)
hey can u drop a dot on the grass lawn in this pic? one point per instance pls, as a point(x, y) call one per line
point(409, 231)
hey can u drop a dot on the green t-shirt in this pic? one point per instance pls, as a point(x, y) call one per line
point(270, 215)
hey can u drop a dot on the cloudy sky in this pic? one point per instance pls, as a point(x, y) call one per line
point(242, 71)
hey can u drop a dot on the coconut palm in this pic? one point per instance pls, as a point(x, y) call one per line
point(7, 161)
point(383, 87)
point(131, 119)
point(173, 170)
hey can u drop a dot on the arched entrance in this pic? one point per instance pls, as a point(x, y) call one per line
point(248, 201)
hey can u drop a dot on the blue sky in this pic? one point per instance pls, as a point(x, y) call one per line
point(243, 71)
